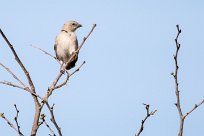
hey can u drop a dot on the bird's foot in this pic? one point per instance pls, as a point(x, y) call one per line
point(62, 69)
point(75, 55)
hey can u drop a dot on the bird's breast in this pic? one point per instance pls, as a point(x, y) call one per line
point(67, 42)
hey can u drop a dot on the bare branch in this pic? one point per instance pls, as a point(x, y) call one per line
point(37, 104)
point(42, 117)
point(47, 53)
point(147, 116)
point(21, 65)
point(68, 76)
point(195, 107)
point(177, 92)
point(20, 87)
point(16, 120)
point(64, 83)
point(77, 69)
point(9, 123)
point(53, 118)
point(14, 76)
point(52, 87)
point(175, 75)
point(176, 72)
point(12, 85)
point(93, 27)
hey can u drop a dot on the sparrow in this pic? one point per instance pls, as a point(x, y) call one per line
point(66, 44)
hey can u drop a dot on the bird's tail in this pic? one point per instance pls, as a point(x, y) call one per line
point(72, 62)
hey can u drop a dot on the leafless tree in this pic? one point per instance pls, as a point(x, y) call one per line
point(177, 92)
point(39, 101)
point(40, 118)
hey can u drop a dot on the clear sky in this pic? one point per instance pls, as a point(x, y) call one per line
point(129, 60)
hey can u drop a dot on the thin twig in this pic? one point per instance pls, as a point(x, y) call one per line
point(14, 75)
point(64, 83)
point(47, 53)
point(42, 117)
point(16, 120)
point(77, 69)
point(12, 85)
point(49, 128)
point(20, 64)
point(8, 122)
point(35, 98)
point(93, 27)
point(53, 118)
point(147, 116)
point(195, 107)
point(175, 75)
point(68, 76)
point(52, 87)
point(177, 91)
point(20, 87)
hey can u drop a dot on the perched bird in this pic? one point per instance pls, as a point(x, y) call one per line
point(66, 44)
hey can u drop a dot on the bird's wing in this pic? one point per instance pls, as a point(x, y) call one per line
point(55, 48)
point(76, 45)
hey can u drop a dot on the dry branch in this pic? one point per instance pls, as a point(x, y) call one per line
point(53, 118)
point(146, 117)
point(177, 91)
point(69, 75)
point(195, 107)
point(19, 87)
point(31, 88)
point(10, 124)
point(16, 120)
point(21, 65)
point(37, 104)
point(42, 117)
point(47, 53)
point(14, 75)
point(12, 85)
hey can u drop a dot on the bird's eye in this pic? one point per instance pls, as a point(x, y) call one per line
point(73, 24)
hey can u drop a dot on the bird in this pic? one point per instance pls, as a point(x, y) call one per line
point(66, 44)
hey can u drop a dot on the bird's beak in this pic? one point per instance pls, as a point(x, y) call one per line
point(79, 25)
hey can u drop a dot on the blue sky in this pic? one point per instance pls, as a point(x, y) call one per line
point(129, 60)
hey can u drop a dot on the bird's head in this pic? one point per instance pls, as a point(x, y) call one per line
point(71, 26)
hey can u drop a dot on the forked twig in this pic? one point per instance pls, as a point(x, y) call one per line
point(14, 75)
point(69, 75)
point(10, 124)
point(12, 85)
point(16, 120)
point(20, 87)
point(53, 118)
point(177, 91)
point(21, 65)
point(31, 88)
point(76, 70)
point(42, 117)
point(146, 117)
